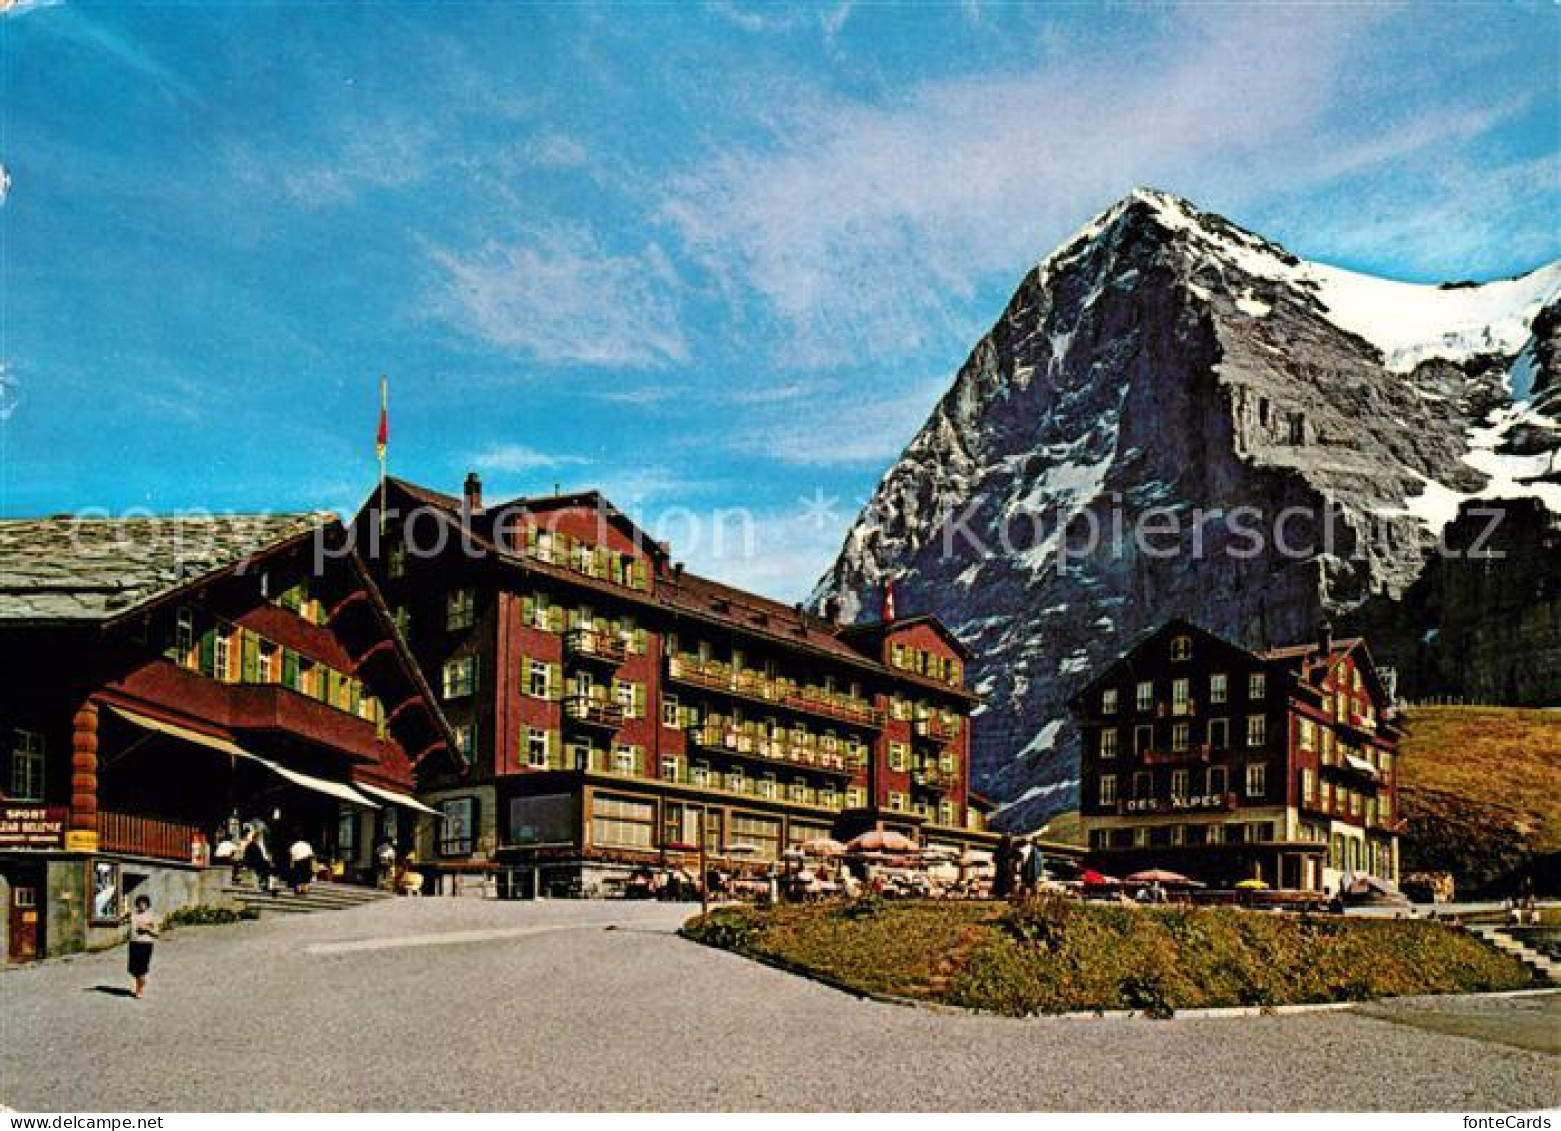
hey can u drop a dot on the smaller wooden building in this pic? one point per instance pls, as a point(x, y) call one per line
point(169, 677)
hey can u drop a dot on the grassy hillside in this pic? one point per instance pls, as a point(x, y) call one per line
point(1481, 791)
point(1063, 828)
point(1052, 955)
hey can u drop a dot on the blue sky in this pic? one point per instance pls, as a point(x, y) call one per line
point(702, 257)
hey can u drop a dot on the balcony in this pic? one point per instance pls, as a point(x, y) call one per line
point(587, 711)
point(1193, 755)
point(588, 644)
point(766, 750)
point(931, 778)
point(757, 688)
point(145, 836)
point(934, 729)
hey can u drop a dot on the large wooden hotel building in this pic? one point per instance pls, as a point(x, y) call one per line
point(611, 704)
point(1227, 764)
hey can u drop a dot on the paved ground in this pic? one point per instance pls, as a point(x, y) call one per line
point(459, 1004)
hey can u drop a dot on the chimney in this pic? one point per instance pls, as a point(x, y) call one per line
point(472, 493)
point(1325, 638)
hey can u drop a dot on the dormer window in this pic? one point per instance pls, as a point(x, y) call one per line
point(1181, 648)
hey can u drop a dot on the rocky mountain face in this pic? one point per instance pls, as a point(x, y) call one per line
point(1174, 416)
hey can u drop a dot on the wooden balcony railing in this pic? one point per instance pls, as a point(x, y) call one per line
point(593, 712)
point(754, 686)
point(145, 836)
point(589, 644)
point(935, 729)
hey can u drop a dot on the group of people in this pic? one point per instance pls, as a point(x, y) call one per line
point(245, 848)
point(1018, 866)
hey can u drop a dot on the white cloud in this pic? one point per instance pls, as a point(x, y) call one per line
point(829, 425)
point(866, 228)
point(22, 7)
point(558, 295)
point(776, 553)
point(519, 457)
point(554, 150)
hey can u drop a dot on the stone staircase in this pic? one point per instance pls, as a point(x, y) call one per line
point(320, 897)
point(1546, 967)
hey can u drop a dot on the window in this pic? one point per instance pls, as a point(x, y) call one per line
point(623, 822)
point(465, 738)
point(347, 834)
point(221, 659)
point(1179, 783)
point(1108, 742)
point(1143, 739)
point(536, 748)
point(1181, 695)
point(536, 679)
point(1257, 730)
point(459, 676)
point(623, 695)
point(624, 760)
point(396, 563)
point(1257, 685)
point(1181, 648)
point(1257, 779)
point(1219, 734)
point(767, 785)
point(762, 834)
point(669, 710)
point(1181, 735)
point(669, 769)
point(897, 757)
point(896, 801)
point(265, 662)
point(1108, 701)
point(1097, 839)
point(1308, 735)
point(457, 829)
point(184, 633)
point(1217, 779)
point(797, 790)
point(402, 618)
point(1143, 785)
point(1145, 698)
point(700, 773)
point(1308, 786)
point(26, 766)
point(460, 609)
point(1219, 687)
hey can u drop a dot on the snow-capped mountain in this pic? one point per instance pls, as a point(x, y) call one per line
point(1165, 384)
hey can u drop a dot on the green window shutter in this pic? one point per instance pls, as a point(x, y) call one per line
point(555, 682)
point(208, 651)
point(639, 575)
point(249, 656)
point(528, 610)
point(555, 617)
point(639, 700)
point(641, 641)
point(290, 668)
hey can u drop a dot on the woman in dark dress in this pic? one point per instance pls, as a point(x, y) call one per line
point(144, 927)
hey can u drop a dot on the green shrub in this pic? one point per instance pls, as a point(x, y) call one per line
point(202, 916)
point(1040, 920)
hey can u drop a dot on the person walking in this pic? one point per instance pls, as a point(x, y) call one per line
point(144, 930)
point(258, 860)
point(301, 860)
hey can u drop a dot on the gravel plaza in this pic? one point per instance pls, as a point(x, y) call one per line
point(445, 1004)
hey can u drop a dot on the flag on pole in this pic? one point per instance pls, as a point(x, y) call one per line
point(382, 435)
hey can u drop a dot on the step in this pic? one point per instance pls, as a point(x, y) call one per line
point(1533, 959)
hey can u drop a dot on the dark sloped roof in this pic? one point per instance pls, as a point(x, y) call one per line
point(87, 569)
point(702, 595)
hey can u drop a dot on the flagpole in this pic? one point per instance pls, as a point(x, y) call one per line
point(384, 415)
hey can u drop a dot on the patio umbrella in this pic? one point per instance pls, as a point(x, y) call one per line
point(938, 852)
point(1094, 879)
point(1163, 878)
point(882, 840)
point(976, 857)
point(1251, 885)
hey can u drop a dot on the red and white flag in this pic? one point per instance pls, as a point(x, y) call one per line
point(382, 434)
point(888, 601)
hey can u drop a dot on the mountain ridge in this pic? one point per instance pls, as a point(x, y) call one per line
point(1163, 358)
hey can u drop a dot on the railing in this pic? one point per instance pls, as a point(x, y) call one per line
point(595, 645)
point(145, 836)
point(709, 737)
point(597, 712)
point(933, 779)
point(632, 577)
point(720, 677)
point(1199, 753)
point(936, 729)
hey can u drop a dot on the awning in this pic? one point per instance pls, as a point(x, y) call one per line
point(390, 795)
point(338, 790)
point(1358, 763)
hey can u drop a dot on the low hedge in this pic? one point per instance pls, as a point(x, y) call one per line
point(1052, 955)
